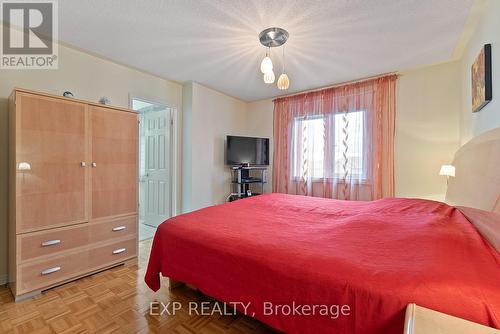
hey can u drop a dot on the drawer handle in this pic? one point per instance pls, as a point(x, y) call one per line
point(119, 228)
point(51, 242)
point(119, 250)
point(50, 270)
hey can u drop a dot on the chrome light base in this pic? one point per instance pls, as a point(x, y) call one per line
point(273, 37)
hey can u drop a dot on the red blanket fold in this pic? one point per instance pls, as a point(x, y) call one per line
point(375, 257)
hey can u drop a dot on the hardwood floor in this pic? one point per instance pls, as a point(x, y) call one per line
point(115, 301)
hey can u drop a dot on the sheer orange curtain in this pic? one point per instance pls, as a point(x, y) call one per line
point(337, 142)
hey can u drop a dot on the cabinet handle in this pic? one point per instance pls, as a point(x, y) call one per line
point(119, 228)
point(51, 242)
point(83, 164)
point(119, 250)
point(50, 270)
point(94, 165)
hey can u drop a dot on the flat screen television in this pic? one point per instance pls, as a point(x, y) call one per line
point(247, 150)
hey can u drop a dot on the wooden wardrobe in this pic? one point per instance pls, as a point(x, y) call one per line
point(73, 189)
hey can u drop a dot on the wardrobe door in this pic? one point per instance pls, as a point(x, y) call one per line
point(51, 150)
point(114, 146)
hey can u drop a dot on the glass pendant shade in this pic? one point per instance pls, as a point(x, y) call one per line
point(266, 65)
point(269, 77)
point(283, 82)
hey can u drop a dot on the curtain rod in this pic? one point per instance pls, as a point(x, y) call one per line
point(337, 85)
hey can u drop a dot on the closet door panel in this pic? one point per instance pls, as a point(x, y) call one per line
point(51, 143)
point(114, 146)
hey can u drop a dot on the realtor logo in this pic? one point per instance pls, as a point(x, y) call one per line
point(29, 33)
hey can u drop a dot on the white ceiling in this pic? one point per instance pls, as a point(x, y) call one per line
point(216, 42)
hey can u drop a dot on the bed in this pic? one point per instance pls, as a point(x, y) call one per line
point(375, 257)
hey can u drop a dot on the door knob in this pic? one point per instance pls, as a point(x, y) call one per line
point(94, 165)
point(83, 164)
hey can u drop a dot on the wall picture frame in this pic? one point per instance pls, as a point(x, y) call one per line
point(481, 79)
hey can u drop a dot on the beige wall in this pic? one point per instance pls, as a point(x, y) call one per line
point(210, 116)
point(426, 128)
point(260, 124)
point(89, 78)
point(486, 30)
point(187, 144)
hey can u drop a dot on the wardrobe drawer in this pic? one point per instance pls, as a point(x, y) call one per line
point(112, 253)
point(53, 241)
point(49, 272)
point(112, 229)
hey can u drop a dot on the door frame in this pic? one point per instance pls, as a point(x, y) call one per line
point(174, 158)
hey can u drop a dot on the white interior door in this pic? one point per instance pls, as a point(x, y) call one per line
point(155, 174)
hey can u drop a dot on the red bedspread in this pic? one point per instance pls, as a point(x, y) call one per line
point(375, 257)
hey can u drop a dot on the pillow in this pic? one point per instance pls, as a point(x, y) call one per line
point(488, 224)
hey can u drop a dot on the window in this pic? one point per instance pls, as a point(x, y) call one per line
point(308, 146)
point(355, 144)
point(310, 140)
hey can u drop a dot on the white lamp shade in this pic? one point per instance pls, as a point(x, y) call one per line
point(266, 65)
point(447, 170)
point(269, 77)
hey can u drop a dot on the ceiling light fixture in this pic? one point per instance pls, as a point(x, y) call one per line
point(270, 38)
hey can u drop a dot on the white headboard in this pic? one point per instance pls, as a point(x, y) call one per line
point(477, 180)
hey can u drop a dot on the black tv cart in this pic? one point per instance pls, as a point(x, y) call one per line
point(241, 179)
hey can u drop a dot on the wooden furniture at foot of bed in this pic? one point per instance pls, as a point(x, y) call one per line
point(421, 320)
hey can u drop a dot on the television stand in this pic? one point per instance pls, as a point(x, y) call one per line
point(241, 179)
